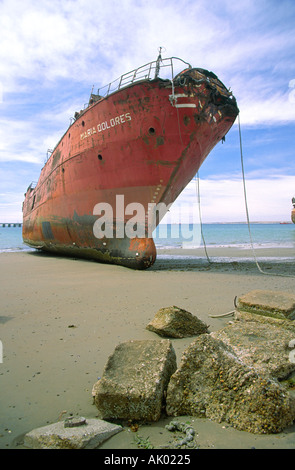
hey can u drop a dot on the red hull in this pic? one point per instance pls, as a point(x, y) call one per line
point(144, 142)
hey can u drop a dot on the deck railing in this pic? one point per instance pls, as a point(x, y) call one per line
point(168, 67)
point(32, 185)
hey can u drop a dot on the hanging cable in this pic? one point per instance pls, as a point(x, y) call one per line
point(246, 208)
point(245, 197)
point(200, 216)
point(246, 204)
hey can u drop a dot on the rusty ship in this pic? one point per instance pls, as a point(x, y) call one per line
point(137, 143)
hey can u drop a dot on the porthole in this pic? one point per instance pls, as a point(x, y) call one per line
point(152, 131)
point(99, 156)
point(83, 123)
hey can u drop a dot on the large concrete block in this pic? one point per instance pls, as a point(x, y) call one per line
point(213, 383)
point(270, 303)
point(58, 436)
point(134, 380)
point(261, 342)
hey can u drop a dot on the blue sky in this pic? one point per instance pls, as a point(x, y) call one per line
point(52, 53)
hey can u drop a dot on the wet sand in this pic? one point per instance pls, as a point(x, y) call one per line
point(61, 318)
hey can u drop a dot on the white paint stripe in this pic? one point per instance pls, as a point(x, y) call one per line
point(186, 105)
point(180, 95)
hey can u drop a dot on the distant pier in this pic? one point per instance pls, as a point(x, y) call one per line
point(10, 224)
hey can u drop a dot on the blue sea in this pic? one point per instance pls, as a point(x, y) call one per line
point(11, 239)
point(235, 235)
point(171, 237)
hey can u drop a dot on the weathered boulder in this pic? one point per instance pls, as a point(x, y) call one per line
point(212, 382)
point(271, 303)
point(261, 342)
point(174, 322)
point(61, 435)
point(134, 380)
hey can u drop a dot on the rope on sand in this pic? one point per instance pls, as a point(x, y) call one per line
point(227, 314)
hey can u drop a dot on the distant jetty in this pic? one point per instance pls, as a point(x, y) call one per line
point(10, 224)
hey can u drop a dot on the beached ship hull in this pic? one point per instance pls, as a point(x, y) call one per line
point(135, 148)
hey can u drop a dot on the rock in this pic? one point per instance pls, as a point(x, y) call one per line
point(174, 322)
point(134, 380)
point(83, 436)
point(271, 303)
point(261, 342)
point(212, 382)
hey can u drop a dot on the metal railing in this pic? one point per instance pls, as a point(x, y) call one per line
point(33, 185)
point(150, 71)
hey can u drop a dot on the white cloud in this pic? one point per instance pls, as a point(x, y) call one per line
point(222, 199)
point(275, 109)
point(78, 39)
point(11, 207)
point(97, 41)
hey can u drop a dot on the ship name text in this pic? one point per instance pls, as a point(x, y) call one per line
point(105, 125)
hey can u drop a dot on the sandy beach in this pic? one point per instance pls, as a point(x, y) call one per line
point(61, 318)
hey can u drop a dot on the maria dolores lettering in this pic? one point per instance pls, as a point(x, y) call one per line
point(103, 126)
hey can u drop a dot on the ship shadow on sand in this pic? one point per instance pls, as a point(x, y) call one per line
point(270, 267)
point(279, 267)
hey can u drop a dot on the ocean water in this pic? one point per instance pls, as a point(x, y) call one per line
point(224, 235)
point(11, 239)
point(189, 236)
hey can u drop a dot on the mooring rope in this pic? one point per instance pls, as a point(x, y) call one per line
point(245, 200)
point(247, 215)
point(247, 211)
point(200, 216)
point(227, 314)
